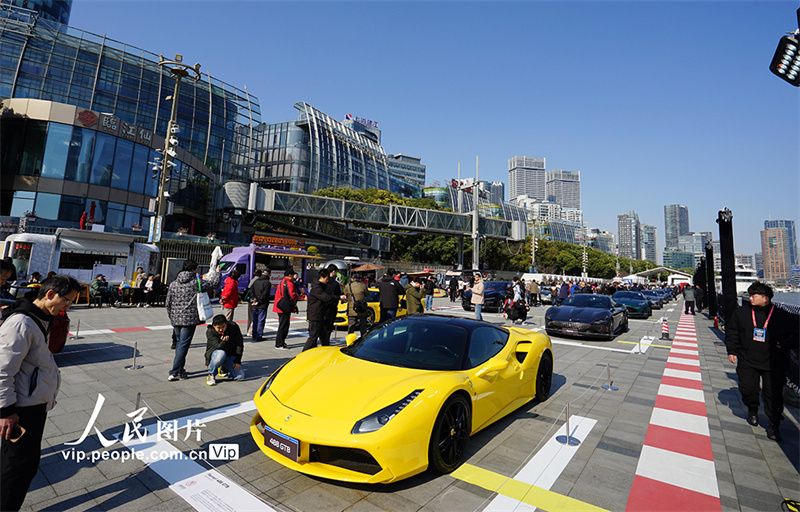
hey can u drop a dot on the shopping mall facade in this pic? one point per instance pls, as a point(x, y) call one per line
point(83, 116)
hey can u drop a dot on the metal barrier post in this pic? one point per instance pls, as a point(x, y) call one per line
point(568, 439)
point(134, 366)
point(609, 386)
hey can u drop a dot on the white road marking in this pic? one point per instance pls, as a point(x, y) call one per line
point(695, 395)
point(680, 470)
point(680, 421)
point(544, 468)
point(682, 374)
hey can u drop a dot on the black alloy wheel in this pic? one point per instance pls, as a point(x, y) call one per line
point(450, 436)
point(370, 317)
point(544, 377)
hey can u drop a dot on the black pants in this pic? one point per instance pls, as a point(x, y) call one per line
point(387, 314)
point(317, 331)
point(771, 384)
point(689, 304)
point(283, 329)
point(357, 322)
point(19, 461)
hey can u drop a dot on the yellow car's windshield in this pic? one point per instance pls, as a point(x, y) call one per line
point(414, 343)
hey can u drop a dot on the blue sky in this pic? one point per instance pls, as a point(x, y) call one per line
point(654, 102)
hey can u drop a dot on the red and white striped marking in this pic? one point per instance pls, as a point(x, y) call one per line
point(119, 330)
point(676, 466)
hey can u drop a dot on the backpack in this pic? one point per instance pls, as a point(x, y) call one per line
point(359, 306)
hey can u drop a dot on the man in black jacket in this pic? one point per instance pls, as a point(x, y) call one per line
point(390, 295)
point(262, 287)
point(224, 348)
point(758, 339)
point(319, 304)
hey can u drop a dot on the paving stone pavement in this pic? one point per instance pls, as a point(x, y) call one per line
point(753, 473)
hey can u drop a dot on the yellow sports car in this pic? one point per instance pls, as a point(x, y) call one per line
point(374, 302)
point(403, 398)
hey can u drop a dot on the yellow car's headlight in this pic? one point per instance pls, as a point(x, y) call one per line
point(380, 418)
point(269, 382)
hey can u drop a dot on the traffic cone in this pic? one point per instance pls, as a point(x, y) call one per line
point(664, 329)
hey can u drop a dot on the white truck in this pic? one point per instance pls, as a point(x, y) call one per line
point(80, 253)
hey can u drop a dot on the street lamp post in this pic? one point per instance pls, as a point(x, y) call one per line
point(168, 154)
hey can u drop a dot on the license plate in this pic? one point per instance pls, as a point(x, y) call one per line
point(281, 443)
point(566, 330)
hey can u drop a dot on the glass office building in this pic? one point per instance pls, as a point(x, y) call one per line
point(316, 152)
point(97, 109)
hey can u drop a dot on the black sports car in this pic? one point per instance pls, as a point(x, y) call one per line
point(655, 299)
point(637, 304)
point(494, 294)
point(590, 315)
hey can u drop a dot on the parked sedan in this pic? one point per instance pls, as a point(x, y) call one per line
point(655, 299)
point(637, 304)
point(589, 315)
point(494, 294)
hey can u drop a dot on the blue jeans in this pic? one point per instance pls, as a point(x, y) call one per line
point(259, 317)
point(478, 308)
point(183, 335)
point(219, 359)
point(428, 302)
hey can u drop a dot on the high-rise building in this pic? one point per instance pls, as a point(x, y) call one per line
point(790, 235)
point(526, 176)
point(678, 259)
point(602, 240)
point(407, 168)
point(630, 236)
point(777, 268)
point(759, 261)
point(572, 215)
point(694, 243)
point(564, 188)
point(676, 223)
point(497, 192)
point(745, 259)
point(649, 243)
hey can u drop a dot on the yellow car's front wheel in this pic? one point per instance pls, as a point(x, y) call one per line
point(450, 436)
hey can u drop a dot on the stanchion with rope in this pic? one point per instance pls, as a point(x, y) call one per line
point(610, 386)
point(568, 439)
point(134, 366)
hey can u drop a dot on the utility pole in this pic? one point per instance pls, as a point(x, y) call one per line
point(476, 253)
point(162, 167)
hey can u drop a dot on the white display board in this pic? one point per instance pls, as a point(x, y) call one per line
point(115, 274)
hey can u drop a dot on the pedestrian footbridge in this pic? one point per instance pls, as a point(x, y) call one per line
point(250, 197)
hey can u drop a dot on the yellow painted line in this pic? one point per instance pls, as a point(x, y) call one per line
point(648, 344)
point(520, 491)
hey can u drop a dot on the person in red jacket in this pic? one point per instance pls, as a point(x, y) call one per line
point(286, 288)
point(230, 294)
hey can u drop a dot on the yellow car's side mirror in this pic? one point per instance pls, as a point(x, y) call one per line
point(492, 365)
point(351, 338)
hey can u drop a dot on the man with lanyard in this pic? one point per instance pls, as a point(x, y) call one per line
point(758, 339)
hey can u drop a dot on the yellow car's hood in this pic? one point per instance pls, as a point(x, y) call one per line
point(325, 383)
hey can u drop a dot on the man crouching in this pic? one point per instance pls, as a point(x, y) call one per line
point(224, 347)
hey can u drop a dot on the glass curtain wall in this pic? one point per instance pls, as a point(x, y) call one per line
point(56, 62)
point(72, 153)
